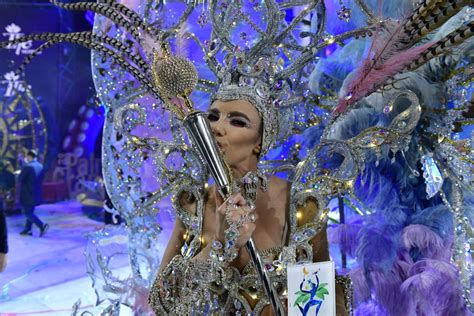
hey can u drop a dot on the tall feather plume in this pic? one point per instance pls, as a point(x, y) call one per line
point(362, 290)
point(385, 59)
point(439, 13)
point(420, 12)
point(392, 50)
point(386, 288)
point(444, 45)
point(378, 239)
point(345, 235)
point(370, 308)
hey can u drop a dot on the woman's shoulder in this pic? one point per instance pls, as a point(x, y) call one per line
point(278, 188)
point(278, 184)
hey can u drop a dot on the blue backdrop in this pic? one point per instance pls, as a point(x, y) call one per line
point(60, 75)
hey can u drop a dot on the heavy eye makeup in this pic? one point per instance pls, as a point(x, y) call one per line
point(236, 119)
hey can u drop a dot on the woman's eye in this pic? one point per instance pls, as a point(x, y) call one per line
point(212, 117)
point(238, 123)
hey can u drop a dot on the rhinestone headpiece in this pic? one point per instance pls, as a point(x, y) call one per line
point(235, 85)
point(260, 72)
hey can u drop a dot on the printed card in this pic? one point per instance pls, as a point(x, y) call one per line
point(311, 289)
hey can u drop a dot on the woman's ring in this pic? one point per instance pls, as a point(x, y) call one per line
point(252, 217)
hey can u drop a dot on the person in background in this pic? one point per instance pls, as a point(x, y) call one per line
point(3, 238)
point(30, 193)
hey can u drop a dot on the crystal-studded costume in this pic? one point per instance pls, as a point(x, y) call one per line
point(187, 286)
point(393, 122)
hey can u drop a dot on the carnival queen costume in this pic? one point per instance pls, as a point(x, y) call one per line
point(366, 111)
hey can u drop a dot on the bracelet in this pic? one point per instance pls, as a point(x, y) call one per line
point(224, 254)
point(217, 253)
point(231, 234)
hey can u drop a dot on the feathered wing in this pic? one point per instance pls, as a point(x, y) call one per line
point(406, 244)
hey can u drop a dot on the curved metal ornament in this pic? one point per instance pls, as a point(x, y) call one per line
point(22, 127)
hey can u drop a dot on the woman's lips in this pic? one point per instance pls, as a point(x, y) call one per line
point(221, 147)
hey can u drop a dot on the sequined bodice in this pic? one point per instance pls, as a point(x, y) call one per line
point(250, 297)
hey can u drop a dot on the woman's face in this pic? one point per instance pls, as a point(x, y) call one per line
point(236, 126)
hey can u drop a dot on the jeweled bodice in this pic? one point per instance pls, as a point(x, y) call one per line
point(246, 295)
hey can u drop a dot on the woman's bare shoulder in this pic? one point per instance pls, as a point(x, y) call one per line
point(278, 189)
point(278, 184)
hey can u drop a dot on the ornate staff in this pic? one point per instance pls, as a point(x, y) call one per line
point(176, 77)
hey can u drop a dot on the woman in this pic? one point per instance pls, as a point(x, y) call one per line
point(237, 127)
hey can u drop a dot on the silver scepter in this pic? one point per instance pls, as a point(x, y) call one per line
point(176, 77)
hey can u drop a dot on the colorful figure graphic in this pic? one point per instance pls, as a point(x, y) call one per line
point(310, 295)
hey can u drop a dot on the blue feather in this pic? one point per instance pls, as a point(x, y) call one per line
point(378, 245)
point(354, 122)
point(370, 308)
point(438, 218)
point(337, 66)
point(387, 292)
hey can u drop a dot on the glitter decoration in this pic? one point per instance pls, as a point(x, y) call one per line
point(175, 76)
point(344, 13)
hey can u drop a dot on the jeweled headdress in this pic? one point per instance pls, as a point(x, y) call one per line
point(258, 91)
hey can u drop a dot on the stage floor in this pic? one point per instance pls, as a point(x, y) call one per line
point(47, 275)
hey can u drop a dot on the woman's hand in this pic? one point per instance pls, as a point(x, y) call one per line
point(234, 210)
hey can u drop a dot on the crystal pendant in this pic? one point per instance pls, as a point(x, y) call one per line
point(387, 109)
point(344, 13)
point(433, 178)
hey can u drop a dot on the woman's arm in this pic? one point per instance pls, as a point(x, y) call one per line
point(174, 244)
point(321, 246)
point(158, 299)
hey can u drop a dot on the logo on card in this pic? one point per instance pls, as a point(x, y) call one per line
point(13, 32)
point(311, 289)
point(311, 295)
point(13, 83)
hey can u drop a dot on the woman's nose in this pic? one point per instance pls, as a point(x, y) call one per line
point(218, 127)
